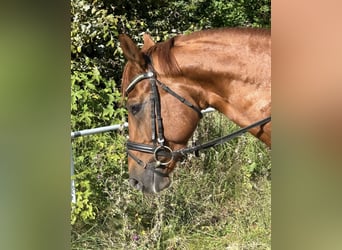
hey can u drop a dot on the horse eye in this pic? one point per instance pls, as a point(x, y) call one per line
point(135, 108)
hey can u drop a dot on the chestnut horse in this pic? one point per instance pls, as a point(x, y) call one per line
point(168, 84)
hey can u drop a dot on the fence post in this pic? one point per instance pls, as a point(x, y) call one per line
point(73, 189)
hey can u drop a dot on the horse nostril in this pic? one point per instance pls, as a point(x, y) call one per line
point(136, 184)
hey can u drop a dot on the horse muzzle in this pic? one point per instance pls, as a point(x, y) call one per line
point(151, 180)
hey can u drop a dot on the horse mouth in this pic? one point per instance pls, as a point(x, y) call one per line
point(150, 184)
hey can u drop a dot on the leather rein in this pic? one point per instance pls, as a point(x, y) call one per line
point(163, 154)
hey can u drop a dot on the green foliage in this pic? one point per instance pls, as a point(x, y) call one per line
point(240, 13)
point(83, 208)
point(99, 166)
point(219, 200)
point(95, 102)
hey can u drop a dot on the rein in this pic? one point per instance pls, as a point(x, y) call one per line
point(162, 154)
point(222, 139)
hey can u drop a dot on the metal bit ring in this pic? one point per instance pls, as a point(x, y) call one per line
point(165, 148)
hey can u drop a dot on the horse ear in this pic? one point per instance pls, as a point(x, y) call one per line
point(131, 51)
point(148, 42)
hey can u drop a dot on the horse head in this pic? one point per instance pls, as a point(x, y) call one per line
point(159, 122)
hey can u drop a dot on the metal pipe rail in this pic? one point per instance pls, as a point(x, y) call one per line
point(98, 130)
point(113, 127)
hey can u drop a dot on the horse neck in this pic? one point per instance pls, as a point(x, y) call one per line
point(231, 73)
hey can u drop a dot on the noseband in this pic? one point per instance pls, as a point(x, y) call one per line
point(162, 154)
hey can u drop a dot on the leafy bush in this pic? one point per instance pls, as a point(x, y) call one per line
point(240, 13)
point(95, 103)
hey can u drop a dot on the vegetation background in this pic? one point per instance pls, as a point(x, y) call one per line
point(220, 200)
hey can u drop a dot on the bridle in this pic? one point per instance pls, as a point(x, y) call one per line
point(162, 154)
point(158, 149)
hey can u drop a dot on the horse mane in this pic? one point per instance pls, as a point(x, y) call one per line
point(166, 59)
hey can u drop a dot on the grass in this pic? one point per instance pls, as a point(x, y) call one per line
point(220, 200)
